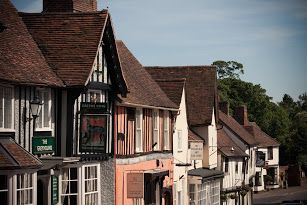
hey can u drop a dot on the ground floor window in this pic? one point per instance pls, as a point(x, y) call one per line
point(215, 192)
point(25, 189)
point(207, 192)
point(192, 197)
point(3, 189)
point(272, 172)
point(258, 180)
point(81, 185)
point(138, 201)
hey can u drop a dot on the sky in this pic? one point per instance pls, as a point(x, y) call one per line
point(269, 37)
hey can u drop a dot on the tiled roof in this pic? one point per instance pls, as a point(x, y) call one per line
point(201, 90)
point(261, 137)
point(13, 156)
point(192, 136)
point(225, 145)
point(21, 61)
point(69, 41)
point(205, 173)
point(143, 90)
point(173, 89)
point(236, 128)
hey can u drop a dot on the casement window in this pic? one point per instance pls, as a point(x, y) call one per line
point(202, 193)
point(273, 173)
point(100, 72)
point(270, 153)
point(138, 130)
point(91, 184)
point(24, 189)
point(43, 121)
point(155, 129)
point(179, 139)
point(69, 184)
point(95, 96)
point(236, 167)
point(6, 108)
point(226, 165)
point(215, 192)
point(166, 134)
point(4, 189)
point(258, 179)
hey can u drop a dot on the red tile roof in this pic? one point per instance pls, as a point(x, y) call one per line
point(13, 156)
point(236, 128)
point(143, 90)
point(192, 136)
point(225, 144)
point(261, 137)
point(201, 90)
point(21, 61)
point(69, 41)
point(173, 89)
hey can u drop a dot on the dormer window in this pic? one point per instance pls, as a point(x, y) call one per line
point(100, 73)
point(43, 121)
point(6, 108)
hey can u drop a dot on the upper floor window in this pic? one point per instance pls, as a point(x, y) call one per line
point(100, 73)
point(226, 164)
point(155, 128)
point(179, 147)
point(6, 107)
point(237, 167)
point(138, 130)
point(270, 153)
point(166, 130)
point(43, 121)
point(95, 96)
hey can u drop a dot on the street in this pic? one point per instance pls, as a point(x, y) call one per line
point(278, 195)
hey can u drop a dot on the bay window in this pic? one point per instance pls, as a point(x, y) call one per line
point(4, 189)
point(91, 185)
point(25, 189)
point(6, 108)
point(155, 128)
point(138, 130)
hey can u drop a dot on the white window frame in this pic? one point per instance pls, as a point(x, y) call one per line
point(175, 193)
point(40, 121)
point(139, 130)
point(155, 129)
point(179, 140)
point(166, 135)
point(91, 96)
point(137, 201)
point(192, 193)
point(23, 187)
point(202, 193)
point(215, 192)
point(11, 128)
point(68, 180)
point(90, 182)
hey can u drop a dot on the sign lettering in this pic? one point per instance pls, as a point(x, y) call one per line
point(43, 144)
point(196, 150)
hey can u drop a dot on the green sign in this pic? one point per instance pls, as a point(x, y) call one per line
point(54, 189)
point(43, 144)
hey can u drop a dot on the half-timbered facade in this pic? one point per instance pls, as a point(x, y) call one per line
point(143, 127)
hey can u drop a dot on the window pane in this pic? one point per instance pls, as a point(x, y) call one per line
point(1, 107)
point(73, 173)
point(46, 109)
point(3, 182)
point(8, 95)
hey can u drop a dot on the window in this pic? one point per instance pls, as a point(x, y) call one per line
point(237, 167)
point(273, 173)
point(6, 107)
point(69, 183)
point(138, 201)
point(166, 130)
point(155, 128)
point(215, 192)
point(44, 118)
point(95, 96)
point(91, 185)
point(202, 194)
point(270, 153)
point(243, 166)
point(3, 190)
point(179, 140)
point(226, 164)
point(24, 189)
point(258, 180)
point(192, 197)
point(138, 132)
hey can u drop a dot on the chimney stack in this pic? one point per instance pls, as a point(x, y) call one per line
point(240, 115)
point(224, 107)
point(69, 5)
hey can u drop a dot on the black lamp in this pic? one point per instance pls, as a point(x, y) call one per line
point(35, 107)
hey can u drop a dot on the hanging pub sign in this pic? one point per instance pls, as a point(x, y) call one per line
point(196, 150)
point(93, 127)
point(43, 144)
point(260, 159)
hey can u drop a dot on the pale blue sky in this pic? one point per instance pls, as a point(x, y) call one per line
point(269, 37)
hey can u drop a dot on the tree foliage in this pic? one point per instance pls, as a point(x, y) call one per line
point(229, 69)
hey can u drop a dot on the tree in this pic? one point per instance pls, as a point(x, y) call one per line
point(229, 69)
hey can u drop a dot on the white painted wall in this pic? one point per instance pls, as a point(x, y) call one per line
point(181, 156)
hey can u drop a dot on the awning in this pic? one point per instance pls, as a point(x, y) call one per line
point(206, 174)
point(154, 173)
point(15, 157)
point(51, 162)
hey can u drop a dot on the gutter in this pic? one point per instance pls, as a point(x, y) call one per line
point(146, 106)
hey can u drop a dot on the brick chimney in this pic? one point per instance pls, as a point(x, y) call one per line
point(224, 107)
point(69, 5)
point(240, 114)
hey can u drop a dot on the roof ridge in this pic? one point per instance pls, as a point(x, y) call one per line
point(182, 66)
point(65, 13)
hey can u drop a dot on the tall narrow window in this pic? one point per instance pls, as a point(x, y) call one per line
point(24, 189)
point(44, 119)
point(237, 167)
point(91, 184)
point(3, 190)
point(138, 131)
point(6, 107)
point(192, 198)
point(166, 134)
point(179, 138)
point(226, 164)
point(270, 153)
point(155, 128)
point(69, 192)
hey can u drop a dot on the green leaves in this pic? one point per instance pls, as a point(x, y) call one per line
point(229, 69)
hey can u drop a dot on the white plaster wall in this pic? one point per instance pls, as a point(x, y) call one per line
point(181, 156)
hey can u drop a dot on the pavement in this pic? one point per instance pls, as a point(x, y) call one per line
point(276, 196)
